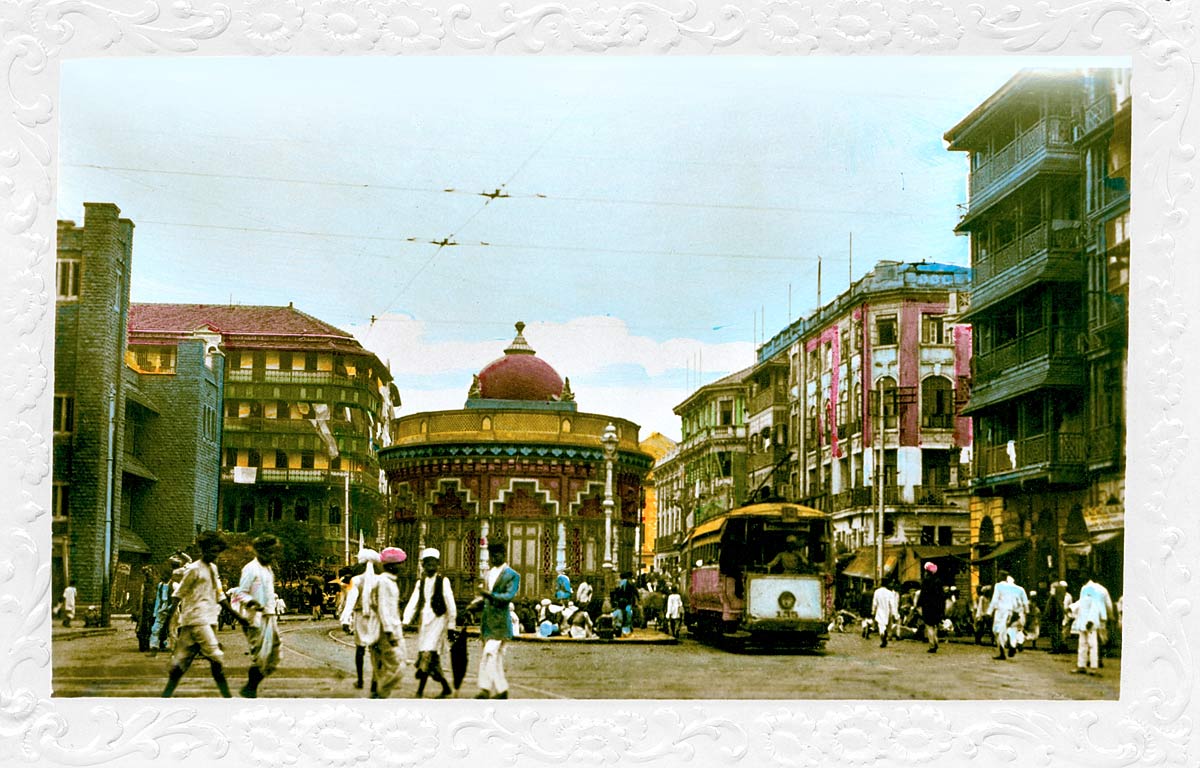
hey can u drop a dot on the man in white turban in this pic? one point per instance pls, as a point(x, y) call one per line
point(358, 614)
point(432, 607)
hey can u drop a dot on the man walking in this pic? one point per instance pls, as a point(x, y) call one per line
point(162, 611)
point(1007, 606)
point(387, 650)
point(500, 586)
point(431, 605)
point(674, 612)
point(199, 604)
point(1090, 613)
point(68, 601)
point(1099, 592)
point(885, 607)
point(932, 603)
point(358, 615)
point(253, 599)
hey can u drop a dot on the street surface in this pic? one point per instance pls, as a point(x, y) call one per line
point(318, 662)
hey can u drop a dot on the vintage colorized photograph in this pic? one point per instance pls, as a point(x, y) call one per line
point(591, 378)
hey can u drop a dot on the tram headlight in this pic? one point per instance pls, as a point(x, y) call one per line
point(787, 600)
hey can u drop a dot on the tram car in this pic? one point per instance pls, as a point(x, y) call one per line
point(761, 574)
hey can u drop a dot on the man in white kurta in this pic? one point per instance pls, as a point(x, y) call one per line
point(358, 614)
point(885, 607)
point(1008, 600)
point(1090, 613)
point(68, 603)
point(253, 599)
point(388, 650)
point(431, 605)
point(1100, 592)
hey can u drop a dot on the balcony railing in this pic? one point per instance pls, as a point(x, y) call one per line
point(853, 498)
point(1098, 112)
point(264, 424)
point(1048, 133)
point(1054, 341)
point(1104, 443)
point(772, 396)
point(937, 420)
point(272, 376)
point(1045, 450)
point(1033, 242)
point(285, 475)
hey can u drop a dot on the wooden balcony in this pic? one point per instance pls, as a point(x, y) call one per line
point(1047, 344)
point(1105, 446)
point(1045, 253)
point(1046, 146)
point(321, 476)
point(1057, 457)
point(772, 397)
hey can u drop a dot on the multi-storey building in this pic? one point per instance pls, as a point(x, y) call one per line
point(136, 435)
point(672, 502)
point(518, 461)
point(712, 454)
point(657, 446)
point(886, 339)
point(768, 450)
point(1047, 214)
point(306, 408)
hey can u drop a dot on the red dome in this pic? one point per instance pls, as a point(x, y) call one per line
point(519, 377)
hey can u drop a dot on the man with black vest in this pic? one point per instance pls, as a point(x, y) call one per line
point(432, 605)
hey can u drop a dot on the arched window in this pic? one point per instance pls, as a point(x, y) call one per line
point(987, 532)
point(275, 513)
point(937, 403)
point(300, 513)
point(245, 519)
point(335, 514)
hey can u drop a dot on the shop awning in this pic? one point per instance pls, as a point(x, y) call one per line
point(1085, 547)
point(1005, 548)
point(863, 564)
point(936, 551)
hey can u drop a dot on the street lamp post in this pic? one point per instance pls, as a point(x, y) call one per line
point(608, 442)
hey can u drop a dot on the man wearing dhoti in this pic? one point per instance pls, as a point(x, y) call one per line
point(432, 606)
point(358, 614)
point(388, 650)
point(254, 600)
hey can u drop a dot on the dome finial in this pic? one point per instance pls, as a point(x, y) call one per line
point(519, 346)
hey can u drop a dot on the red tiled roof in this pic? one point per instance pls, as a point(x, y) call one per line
point(241, 327)
point(235, 319)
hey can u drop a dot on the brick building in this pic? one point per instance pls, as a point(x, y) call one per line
point(135, 435)
point(521, 461)
point(305, 410)
point(1048, 218)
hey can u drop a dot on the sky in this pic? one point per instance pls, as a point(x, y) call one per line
point(648, 217)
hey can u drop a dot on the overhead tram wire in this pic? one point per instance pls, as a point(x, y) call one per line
point(478, 244)
point(503, 192)
point(488, 201)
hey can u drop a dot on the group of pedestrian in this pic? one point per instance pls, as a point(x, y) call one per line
point(1004, 609)
point(195, 605)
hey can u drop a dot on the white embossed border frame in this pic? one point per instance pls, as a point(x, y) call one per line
point(1150, 725)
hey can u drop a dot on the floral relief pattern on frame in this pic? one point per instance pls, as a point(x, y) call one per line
point(1151, 724)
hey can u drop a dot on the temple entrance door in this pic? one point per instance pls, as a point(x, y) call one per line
point(524, 539)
